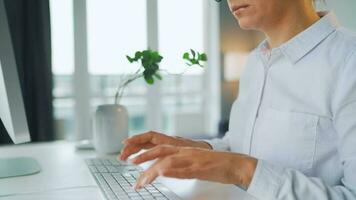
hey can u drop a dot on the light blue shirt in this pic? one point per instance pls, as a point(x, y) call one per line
point(296, 113)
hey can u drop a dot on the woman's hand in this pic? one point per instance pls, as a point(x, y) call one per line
point(196, 163)
point(151, 139)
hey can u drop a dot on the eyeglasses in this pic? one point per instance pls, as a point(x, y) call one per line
point(218, 0)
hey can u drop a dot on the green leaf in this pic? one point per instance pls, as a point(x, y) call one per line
point(155, 67)
point(145, 63)
point(158, 76)
point(186, 56)
point(148, 72)
point(138, 55)
point(155, 55)
point(149, 80)
point(203, 57)
point(130, 59)
point(193, 52)
point(194, 62)
point(146, 54)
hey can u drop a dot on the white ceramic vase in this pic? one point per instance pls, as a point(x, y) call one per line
point(110, 128)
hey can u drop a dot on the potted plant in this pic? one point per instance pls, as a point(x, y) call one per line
point(111, 121)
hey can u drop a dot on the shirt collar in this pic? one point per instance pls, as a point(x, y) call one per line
point(297, 47)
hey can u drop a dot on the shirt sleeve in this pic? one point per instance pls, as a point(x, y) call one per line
point(272, 182)
point(275, 182)
point(220, 144)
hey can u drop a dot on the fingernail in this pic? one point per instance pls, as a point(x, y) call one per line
point(141, 183)
point(136, 187)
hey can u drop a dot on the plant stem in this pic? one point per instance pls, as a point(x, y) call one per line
point(138, 74)
point(173, 74)
point(126, 80)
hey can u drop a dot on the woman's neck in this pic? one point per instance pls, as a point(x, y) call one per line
point(290, 25)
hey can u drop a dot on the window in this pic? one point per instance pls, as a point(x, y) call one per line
point(116, 28)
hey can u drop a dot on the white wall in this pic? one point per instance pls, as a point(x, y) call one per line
point(345, 11)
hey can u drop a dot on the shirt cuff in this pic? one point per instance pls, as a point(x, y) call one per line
point(217, 144)
point(266, 181)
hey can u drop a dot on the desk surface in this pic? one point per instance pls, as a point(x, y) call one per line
point(65, 176)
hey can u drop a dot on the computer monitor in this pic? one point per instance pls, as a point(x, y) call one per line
point(12, 109)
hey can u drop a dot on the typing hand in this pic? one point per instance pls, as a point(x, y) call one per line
point(151, 139)
point(196, 163)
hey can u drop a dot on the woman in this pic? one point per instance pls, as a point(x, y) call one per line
point(292, 131)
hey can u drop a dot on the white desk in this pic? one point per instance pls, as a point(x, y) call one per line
point(63, 168)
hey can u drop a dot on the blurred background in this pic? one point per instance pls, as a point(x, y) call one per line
point(71, 56)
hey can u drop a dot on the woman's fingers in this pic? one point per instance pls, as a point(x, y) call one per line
point(156, 152)
point(145, 179)
point(152, 137)
point(139, 139)
point(148, 176)
point(169, 166)
point(128, 150)
point(144, 141)
point(136, 144)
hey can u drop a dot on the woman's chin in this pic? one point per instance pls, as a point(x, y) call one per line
point(246, 24)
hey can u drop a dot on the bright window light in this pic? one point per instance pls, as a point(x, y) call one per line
point(180, 28)
point(116, 28)
point(62, 41)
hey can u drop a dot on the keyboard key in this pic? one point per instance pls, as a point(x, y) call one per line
point(112, 169)
point(106, 162)
point(149, 198)
point(101, 168)
point(97, 162)
point(121, 194)
point(93, 169)
point(89, 162)
point(137, 198)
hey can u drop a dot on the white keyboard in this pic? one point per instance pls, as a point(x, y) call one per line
point(116, 180)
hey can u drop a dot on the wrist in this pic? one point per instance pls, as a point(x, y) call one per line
point(244, 170)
